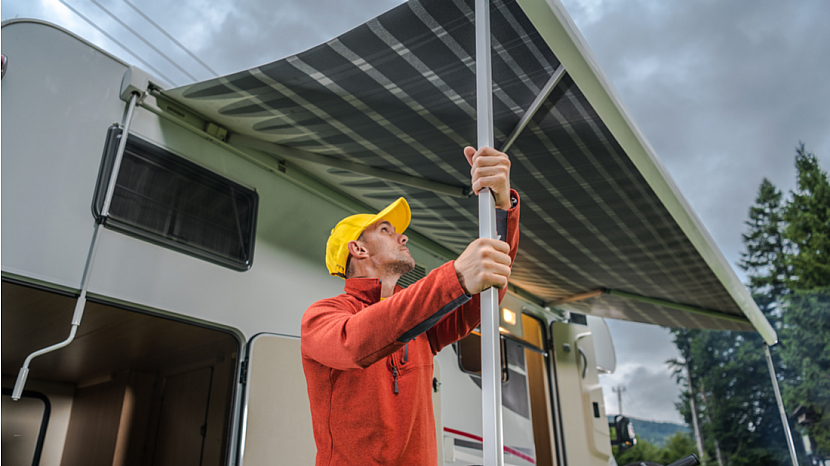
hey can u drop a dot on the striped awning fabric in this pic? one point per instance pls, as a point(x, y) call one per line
point(398, 93)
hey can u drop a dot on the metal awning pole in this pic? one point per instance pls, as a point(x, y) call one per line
point(80, 304)
point(781, 409)
point(490, 348)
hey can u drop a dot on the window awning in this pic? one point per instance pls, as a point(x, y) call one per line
point(383, 111)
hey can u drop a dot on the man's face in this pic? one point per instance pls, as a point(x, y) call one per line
point(388, 248)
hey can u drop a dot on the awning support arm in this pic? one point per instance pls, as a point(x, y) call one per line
point(491, 410)
point(781, 409)
point(280, 151)
point(557, 76)
point(80, 304)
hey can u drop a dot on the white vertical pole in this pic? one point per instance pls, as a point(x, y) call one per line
point(785, 424)
point(490, 348)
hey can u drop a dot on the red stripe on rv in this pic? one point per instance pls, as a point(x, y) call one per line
point(507, 449)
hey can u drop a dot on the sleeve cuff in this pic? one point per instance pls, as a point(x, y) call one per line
point(501, 216)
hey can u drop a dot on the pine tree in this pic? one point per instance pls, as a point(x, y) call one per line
point(766, 249)
point(787, 260)
point(805, 335)
point(808, 225)
point(806, 351)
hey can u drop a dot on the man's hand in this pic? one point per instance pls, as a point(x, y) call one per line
point(483, 264)
point(490, 169)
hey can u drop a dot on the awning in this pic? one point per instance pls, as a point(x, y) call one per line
point(388, 106)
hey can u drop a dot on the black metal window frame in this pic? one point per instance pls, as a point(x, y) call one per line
point(168, 160)
point(44, 421)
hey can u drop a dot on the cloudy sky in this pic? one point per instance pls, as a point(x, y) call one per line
point(723, 91)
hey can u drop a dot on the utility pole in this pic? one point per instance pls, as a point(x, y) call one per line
point(692, 394)
point(718, 454)
point(619, 389)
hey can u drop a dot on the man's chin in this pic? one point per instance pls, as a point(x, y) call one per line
point(402, 266)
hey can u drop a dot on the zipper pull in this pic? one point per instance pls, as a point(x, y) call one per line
point(406, 353)
point(395, 375)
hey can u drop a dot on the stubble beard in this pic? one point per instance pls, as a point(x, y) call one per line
point(401, 266)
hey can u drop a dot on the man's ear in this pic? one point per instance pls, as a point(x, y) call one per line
point(358, 249)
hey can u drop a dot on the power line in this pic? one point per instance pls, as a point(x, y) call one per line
point(140, 37)
point(192, 55)
point(110, 37)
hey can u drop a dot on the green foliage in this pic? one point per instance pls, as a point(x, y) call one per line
point(787, 259)
point(806, 352)
point(808, 225)
point(734, 397)
point(655, 432)
point(643, 451)
point(766, 248)
point(677, 446)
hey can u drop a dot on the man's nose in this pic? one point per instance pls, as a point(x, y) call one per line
point(403, 239)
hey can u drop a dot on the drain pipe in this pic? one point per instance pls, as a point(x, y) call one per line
point(781, 410)
point(133, 87)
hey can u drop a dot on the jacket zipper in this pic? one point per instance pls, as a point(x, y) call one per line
point(394, 372)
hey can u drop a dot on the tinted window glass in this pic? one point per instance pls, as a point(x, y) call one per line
point(165, 199)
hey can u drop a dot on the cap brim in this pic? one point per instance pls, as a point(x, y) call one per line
point(396, 213)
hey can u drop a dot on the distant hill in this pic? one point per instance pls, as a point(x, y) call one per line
point(655, 432)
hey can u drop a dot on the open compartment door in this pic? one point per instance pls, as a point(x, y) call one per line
point(587, 437)
point(276, 417)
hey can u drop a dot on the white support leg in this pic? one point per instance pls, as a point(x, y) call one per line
point(490, 349)
point(781, 409)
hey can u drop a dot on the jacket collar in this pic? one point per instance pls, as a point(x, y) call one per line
point(366, 289)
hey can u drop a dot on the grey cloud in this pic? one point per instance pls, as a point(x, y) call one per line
point(641, 343)
point(648, 394)
point(254, 32)
point(228, 36)
point(642, 351)
point(723, 91)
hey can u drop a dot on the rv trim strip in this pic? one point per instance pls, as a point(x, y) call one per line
point(507, 449)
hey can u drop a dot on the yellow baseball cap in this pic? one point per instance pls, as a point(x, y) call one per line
point(350, 228)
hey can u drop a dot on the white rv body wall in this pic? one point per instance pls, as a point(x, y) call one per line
point(60, 94)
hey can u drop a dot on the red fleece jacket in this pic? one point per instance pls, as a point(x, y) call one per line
point(368, 364)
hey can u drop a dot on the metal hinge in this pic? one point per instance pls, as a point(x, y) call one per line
point(243, 372)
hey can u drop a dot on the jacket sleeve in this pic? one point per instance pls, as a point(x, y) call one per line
point(334, 334)
point(456, 325)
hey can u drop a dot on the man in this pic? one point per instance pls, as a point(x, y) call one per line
point(367, 354)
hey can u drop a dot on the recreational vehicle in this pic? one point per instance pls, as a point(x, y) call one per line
point(161, 244)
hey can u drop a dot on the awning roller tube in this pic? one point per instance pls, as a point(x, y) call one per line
point(656, 301)
point(277, 150)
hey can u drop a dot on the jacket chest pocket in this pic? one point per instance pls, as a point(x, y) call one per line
point(415, 354)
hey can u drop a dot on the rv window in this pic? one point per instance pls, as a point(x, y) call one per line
point(24, 427)
point(162, 198)
point(514, 392)
point(469, 355)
